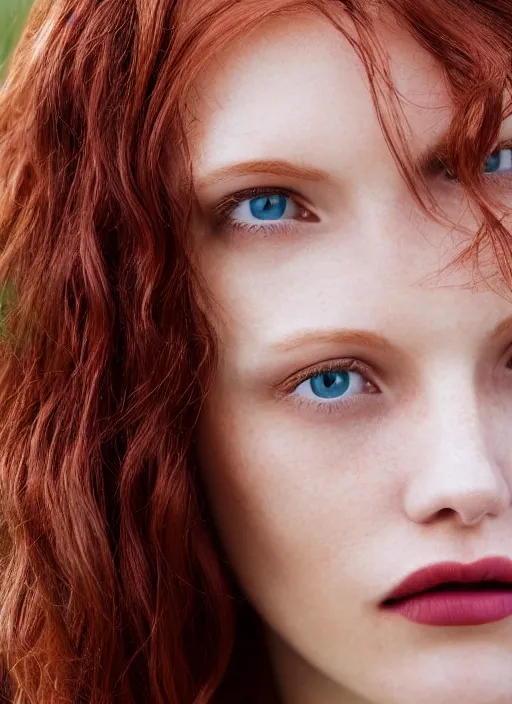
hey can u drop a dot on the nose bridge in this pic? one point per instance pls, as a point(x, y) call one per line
point(457, 469)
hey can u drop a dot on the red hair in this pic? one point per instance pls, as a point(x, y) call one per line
point(114, 586)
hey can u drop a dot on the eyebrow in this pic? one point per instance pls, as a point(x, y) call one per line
point(429, 160)
point(364, 338)
point(276, 167)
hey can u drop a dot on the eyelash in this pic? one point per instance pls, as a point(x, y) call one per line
point(224, 208)
point(288, 389)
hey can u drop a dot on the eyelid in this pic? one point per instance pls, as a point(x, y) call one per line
point(349, 364)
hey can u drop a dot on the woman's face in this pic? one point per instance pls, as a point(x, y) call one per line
point(359, 425)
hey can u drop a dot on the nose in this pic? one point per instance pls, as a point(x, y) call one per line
point(457, 474)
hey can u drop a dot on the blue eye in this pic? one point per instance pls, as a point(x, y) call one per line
point(263, 209)
point(499, 161)
point(268, 207)
point(271, 207)
point(331, 385)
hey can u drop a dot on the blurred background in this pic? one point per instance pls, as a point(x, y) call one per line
point(12, 17)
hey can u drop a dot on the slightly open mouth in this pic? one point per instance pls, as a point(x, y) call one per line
point(457, 587)
point(471, 586)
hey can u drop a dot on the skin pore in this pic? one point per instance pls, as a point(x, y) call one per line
point(358, 426)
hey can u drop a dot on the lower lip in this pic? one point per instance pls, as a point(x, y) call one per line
point(455, 608)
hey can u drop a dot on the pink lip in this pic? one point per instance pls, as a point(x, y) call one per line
point(450, 606)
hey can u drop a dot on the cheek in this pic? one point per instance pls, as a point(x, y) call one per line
point(298, 503)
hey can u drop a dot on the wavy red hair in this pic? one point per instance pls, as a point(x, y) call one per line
point(114, 586)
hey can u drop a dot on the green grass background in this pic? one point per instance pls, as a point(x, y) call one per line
point(12, 17)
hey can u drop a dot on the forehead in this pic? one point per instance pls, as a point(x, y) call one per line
point(295, 83)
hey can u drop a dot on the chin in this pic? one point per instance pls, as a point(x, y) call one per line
point(483, 678)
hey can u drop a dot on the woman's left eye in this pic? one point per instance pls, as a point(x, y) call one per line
point(499, 161)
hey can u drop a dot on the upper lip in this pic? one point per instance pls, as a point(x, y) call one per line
point(490, 569)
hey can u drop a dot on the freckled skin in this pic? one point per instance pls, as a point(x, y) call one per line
point(322, 514)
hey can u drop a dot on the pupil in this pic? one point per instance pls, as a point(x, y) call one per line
point(329, 379)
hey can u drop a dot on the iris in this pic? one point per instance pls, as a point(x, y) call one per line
point(330, 385)
point(268, 207)
point(493, 163)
